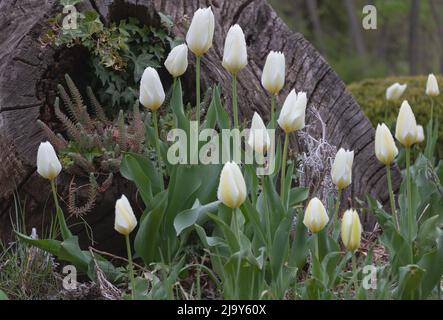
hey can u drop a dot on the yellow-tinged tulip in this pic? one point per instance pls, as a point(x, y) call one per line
point(385, 148)
point(232, 187)
point(293, 112)
point(432, 86)
point(406, 129)
point(177, 61)
point(351, 230)
point(273, 77)
point(342, 168)
point(316, 217)
point(201, 32)
point(395, 91)
point(152, 94)
point(48, 165)
point(125, 220)
point(258, 138)
point(235, 56)
point(420, 134)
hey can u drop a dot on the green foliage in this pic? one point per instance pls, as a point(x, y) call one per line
point(119, 51)
point(95, 144)
point(371, 96)
point(415, 264)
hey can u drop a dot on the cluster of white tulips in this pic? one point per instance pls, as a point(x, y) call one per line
point(232, 190)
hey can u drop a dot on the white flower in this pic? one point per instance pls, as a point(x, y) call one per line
point(125, 220)
point(258, 136)
point(235, 56)
point(385, 148)
point(406, 129)
point(152, 94)
point(201, 32)
point(351, 230)
point(395, 91)
point(432, 86)
point(273, 77)
point(48, 165)
point(177, 61)
point(293, 112)
point(232, 187)
point(342, 168)
point(316, 217)
point(420, 134)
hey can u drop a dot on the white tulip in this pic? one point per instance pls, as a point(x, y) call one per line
point(273, 77)
point(152, 94)
point(316, 217)
point(406, 129)
point(201, 32)
point(235, 56)
point(385, 148)
point(351, 230)
point(420, 134)
point(125, 220)
point(177, 61)
point(432, 86)
point(395, 91)
point(293, 112)
point(232, 187)
point(342, 168)
point(48, 165)
point(258, 136)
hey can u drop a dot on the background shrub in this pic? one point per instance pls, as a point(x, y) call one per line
point(371, 95)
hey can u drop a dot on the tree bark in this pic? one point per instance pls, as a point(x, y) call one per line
point(29, 74)
point(354, 28)
point(439, 25)
point(316, 24)
point(414, 19)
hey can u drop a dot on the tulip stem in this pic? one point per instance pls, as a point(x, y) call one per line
point(59, 214)
point(283, 170)
point(409, 193)
point(267, 215)
point(432, 116)
point(235, 101)
point(354, 272)
point(337, 208)
point(130, 266)
point(197, 86)
point(316, 248)
point(391, 197)
point(157, 147)
point(237, 235)
point(273, 112)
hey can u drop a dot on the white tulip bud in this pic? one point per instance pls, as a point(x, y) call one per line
point(235, 56)
point(385, 148)
point(342, 168)
point(406, 129)
point(152, 94)
point(316, 217)
point(177, 61)
point(293, 112)
point(125, 220)
point(258, 135)
point(432, 86)
point(232, 187)
point(420, 134)
point(395, 91)
point(201, 32)
point(351, 230)
point(273, 77)
point(48, 165)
